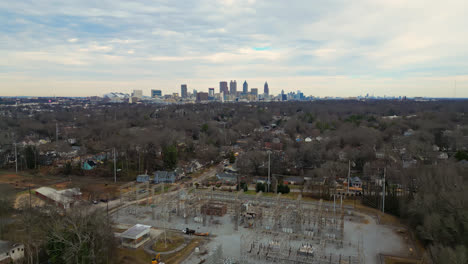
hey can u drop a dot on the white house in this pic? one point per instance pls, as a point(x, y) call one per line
point(10, 252)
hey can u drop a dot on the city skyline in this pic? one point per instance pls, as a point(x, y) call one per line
point(339, 48)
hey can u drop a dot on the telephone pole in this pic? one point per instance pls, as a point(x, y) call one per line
point(115, 170)
point(268, 186)
point(349, 173)
point(383, 191)
point(16, 160)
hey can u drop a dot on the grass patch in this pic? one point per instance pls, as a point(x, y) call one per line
point(180, 256)
point(132, 256)
point(173, 241)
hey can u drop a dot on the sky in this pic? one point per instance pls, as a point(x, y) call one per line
point(323, 48)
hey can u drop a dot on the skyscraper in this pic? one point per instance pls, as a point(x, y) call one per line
point(245, 88)
point(183, 91)
point(211, 92)
point(265, 89)
point(233, 87)
point(223, 88)
point(156, 93)
point(254, 91)
point(137, 93)
point(194, 93)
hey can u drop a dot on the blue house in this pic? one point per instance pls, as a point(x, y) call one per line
point(227, 177)
point(143, 178)
point(165, 176)
point(88, 165)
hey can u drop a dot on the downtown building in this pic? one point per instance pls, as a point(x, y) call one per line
point(223, 88)
point(183, 91)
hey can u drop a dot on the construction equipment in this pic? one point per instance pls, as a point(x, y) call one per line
point(157, 260)
point(190, 232)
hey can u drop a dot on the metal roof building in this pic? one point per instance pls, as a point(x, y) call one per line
point(64, 198)
point(136, 236)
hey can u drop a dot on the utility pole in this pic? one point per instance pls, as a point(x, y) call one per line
point(115, 169)
point(268, 186)
point(349, 173)
point(29, 189)
point(56, 133)
point(16, 160)
point(383, 191)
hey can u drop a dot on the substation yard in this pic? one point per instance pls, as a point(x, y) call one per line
point(257, 229)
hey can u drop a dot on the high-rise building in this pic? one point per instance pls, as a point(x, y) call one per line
point(223, 88)
point(201, 96)
point(183, 91)
point(284, 97)
point(195, 93)
point(156, 93)
point(137, 93)
point(254, 91)
point(265, 89)
point(211, 92)
point(233, 87)
point(245, 88)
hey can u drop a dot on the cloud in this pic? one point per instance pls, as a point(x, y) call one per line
point(385, 41)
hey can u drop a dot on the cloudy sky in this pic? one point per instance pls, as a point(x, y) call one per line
point(323, 48)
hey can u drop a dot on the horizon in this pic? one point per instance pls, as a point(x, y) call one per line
point(334, 49)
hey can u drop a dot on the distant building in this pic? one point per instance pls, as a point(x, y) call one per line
point(137, 93)
point(116, 97)
point(156, 93)
point(227, 177)
point(266, 90)
point(183, 91)
point(64, 198)
point(245, 88)
point(254, 91)
point(202, 97)
point(143, 178)
point(10, 252)
point(223, 88)
point(165, 176)
point(88, 165)
point(211, 92)
point(195, 93)
point(233, 87)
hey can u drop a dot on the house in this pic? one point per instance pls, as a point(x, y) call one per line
point(442, 156)
point(408, 132)
point(193, 166)
point(259, 179)
point(227, 177)
point(293, 180)
point(64, 198)
point(355, 185)
point(88, 165)
point(409, 163)
point(136, 236)
point(308, 139)
point(274, 146)
point(379, 154)
point(165, 176)
point(143, 178)
point(10, 252)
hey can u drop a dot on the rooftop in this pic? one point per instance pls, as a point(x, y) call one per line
point(136, 231)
